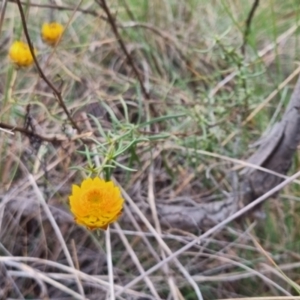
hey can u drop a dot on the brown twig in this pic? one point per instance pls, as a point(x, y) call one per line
point(41, 73)
point(248, 25)
point(114, 26)
point(53, 139)
point(131, 24)
point(53, 6)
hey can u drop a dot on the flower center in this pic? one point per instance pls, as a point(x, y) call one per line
point(93, 196)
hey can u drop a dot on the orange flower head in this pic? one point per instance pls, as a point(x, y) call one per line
point(20, 54)
point(96, 203)
point(51, 32)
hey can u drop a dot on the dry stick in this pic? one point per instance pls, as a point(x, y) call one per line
point(216, 228)
point(53, 139)
point(112, 22)
point(7, 131)
point(248, 24)
point(44, 77)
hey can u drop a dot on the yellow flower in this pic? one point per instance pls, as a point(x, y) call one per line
point(51, 32)
point(20, 54)
point(96, 203)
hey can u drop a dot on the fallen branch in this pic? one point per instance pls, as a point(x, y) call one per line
point(275, 153)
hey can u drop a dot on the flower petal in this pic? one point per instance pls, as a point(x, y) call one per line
point(96, 203)
point(75, 189)
point(87, 183)
point(98, 182)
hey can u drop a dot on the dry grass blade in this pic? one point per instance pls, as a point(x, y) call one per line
point(74, 273)
point(167, 104)
point(240, 163)
point(40, 277)
point(215, 228)
point(135, 259)
point(162, 244)
point(266, 298)
point(109, 264)
point(55, 227)
point(151, 200)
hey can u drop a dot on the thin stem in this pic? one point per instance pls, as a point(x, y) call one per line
point(114, 27)
point(109, 264)
point(248, 25)
point(55, 91)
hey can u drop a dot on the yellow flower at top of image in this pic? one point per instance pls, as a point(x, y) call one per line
point(20, 54)
point(96, 203)
point(51, 32)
